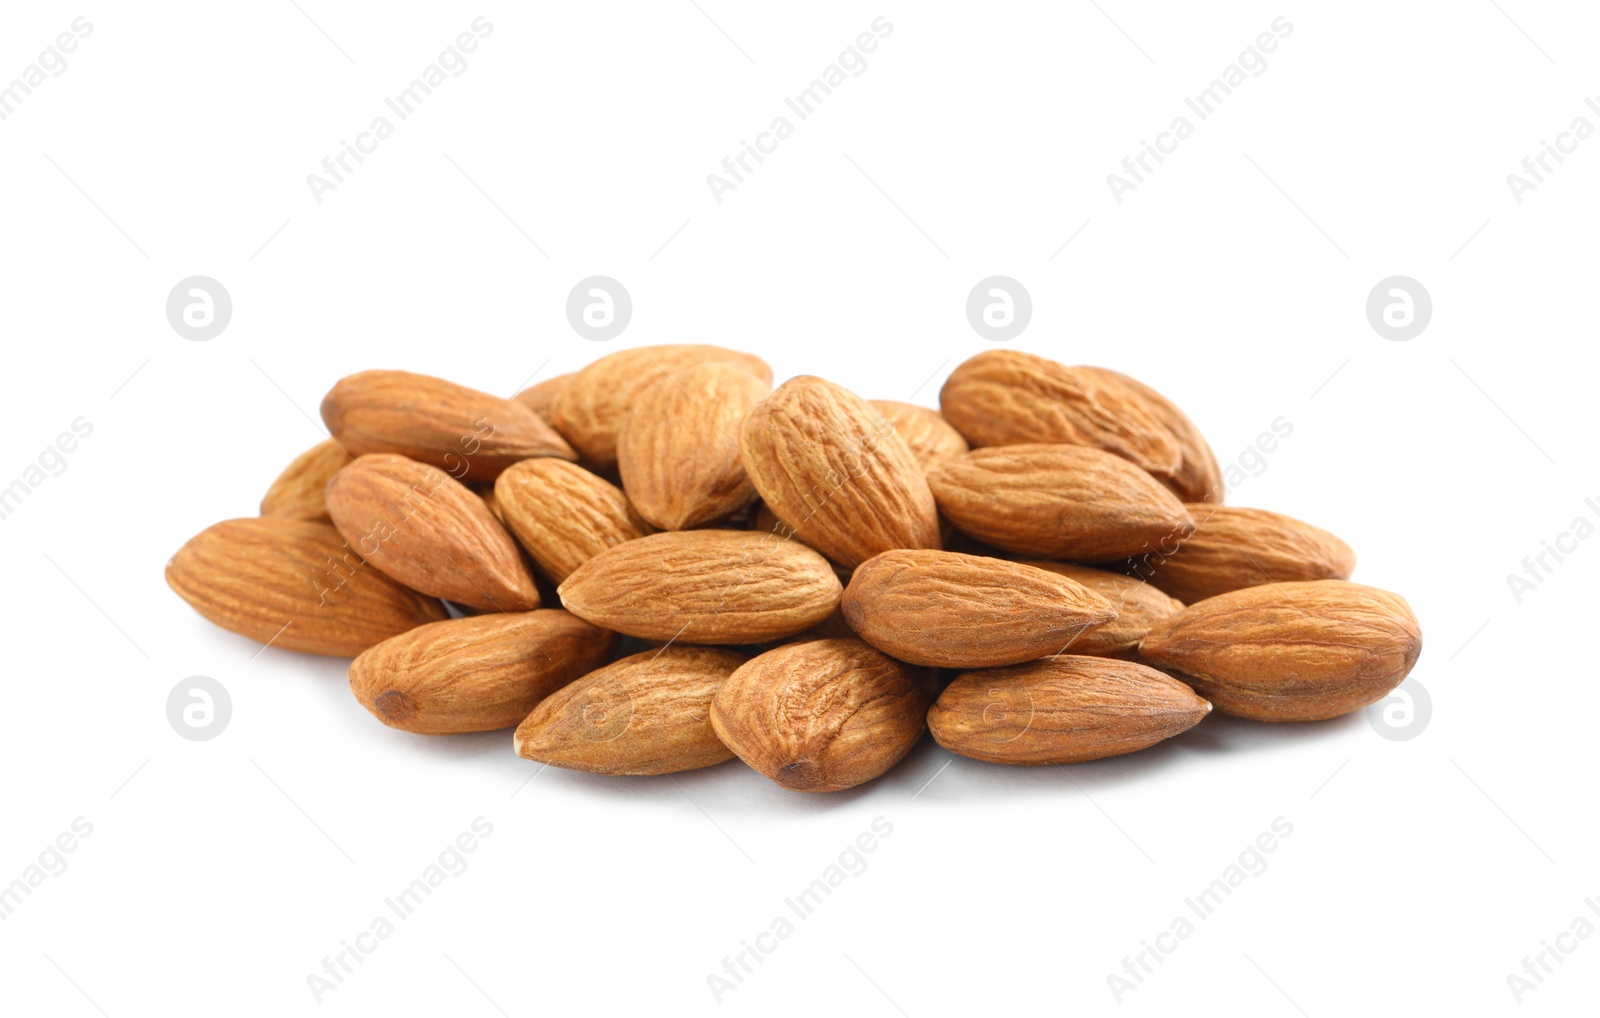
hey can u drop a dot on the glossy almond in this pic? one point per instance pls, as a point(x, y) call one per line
point(646, 714)
point(1138, 606)
point(297, 493)
point(678, 450)
point(1198, 477)
point(476, 674)
point(470, 434)
point(294, 584)
point(822, 716)
point(1291, 651)
point(590, 408)
point(427, 530)
point(926, 433)
point(1058, 502)
point(830, 467)
point(948, 610)
point(704, 586)
point(1062, 710)
point(563, 514)
point(1007, 397)
point(1234, 548)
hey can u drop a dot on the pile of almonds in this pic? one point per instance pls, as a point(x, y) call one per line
point(1042, 573)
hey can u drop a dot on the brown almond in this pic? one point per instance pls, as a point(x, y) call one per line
point(704, 586)
point(294, 584)
point(948, 610)
point(822, 716)
point(1062, 710)
point(678, 450)
point(1303, 651)
point(927, 434)
point(427, 530)
point(1007, 397)
point(1198, 477)
point(1058, 502)
point(834, 470)
point(476, 674)
point(591, 406)
point(1138, 606)
point(297, 493)
point(646, 714)
point(1233, 548)
point(540, 397)
point(468, 433)
point(564, 515)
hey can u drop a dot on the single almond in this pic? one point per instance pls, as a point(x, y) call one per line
point(822, 716)
point(704, 586)
point(678, 450)
point(1198, 477)
point(927, 434)
point(294, 584)
point(1062, 710)
point(468, 433)
point(948, 610)
point(1138, 606)
point(476, 674)
point(1058, 502)
point(646, 714)
point(590, 408)
point(1303, 651)
point(540, 397)
point(564, 515)
point(1233, 548)
point(297, 493)
point(427, 530)
point(835, 471)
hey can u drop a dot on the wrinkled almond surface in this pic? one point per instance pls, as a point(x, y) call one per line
point(1138, 606)
point(298, 492)
point(1232, 548)
point(540, 397)
point(564, 515)
point(1198, 477)
point(926, 433)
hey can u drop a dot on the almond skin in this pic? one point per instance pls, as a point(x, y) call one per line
point(428, 531)
point(476, 674)
point(1198, 477)
point(927, 434)
point(297, 494)
point(948, 610)
point(1234, 548)
point(822, 716)
point(1062, 710)
point(1138, 606)
point(470, 434)
point(678, 450)
point(646, 714)
point(295, 584)
point(1058, 502)
point(564, 515)
point(1291, 651)
point(540, 397)
point(833, 469)
point(704, 586)
point(591, 407)
point(1006, 397)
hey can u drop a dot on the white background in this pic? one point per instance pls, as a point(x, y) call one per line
point(1377, 142)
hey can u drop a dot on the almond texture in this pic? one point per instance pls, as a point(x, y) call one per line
point(540, 397)
point(297, 493)
point(1233, 548)
point(564, 515)
point(926, 433)
point(1138, 606)
point(1198, 477)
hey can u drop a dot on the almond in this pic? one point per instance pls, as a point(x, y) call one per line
point(294, 584)
point(1233, 548)
point(541, 397)
point(834, 470)
point(948, 610)
point(1062, 710)
point(1303, 651)
point(704, 586)
point(1198, 477)
point(1058, 501)
point(1138, 606)
point(646, 714)
point(927, 434)
point(425, 529)
point(822, 716)
point(591, 406)
point(1006, 397)
point(297, 492)
point(476, 674)
point(564, 515)
point(678, 450)
point(471, 434)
